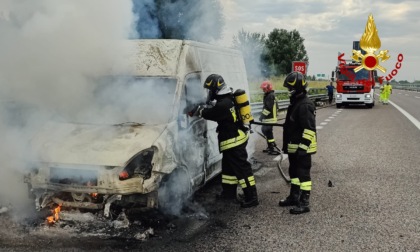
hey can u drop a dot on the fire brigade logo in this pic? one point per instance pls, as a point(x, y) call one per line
point(370, 43)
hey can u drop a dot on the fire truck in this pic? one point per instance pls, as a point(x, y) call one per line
point(353, 87)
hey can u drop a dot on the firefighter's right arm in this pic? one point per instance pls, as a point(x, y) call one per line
point(196, 111)
point(216, 113)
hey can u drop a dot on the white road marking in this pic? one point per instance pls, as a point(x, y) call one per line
point(331, 117)
point(410, 117)
point(319, 127)
point(417, 97)
point(323, 123)
point(327, 120)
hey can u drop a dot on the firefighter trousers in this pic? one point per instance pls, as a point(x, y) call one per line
point(267, 130)
point(236, 169)
point(300, 168)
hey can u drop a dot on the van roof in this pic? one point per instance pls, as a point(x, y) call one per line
point(160, 57)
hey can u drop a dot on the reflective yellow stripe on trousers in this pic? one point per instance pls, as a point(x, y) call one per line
point(251, 181)
point(306, 186)
point(295, 181)
point(230, 180)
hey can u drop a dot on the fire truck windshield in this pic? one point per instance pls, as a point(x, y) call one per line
point(348, 73)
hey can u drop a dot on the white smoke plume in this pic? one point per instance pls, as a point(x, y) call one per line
point(49, 51)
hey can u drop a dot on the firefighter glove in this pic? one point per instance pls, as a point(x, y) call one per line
point(196, 111)
point(261, 117)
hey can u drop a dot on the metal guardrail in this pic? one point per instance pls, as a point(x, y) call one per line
point(409, 87)
point(256, 107)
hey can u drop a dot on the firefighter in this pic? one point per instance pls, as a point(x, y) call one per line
point(269, 115)
point(233, 138)
point(387, 92)
point(299, 142)
point(381, 93)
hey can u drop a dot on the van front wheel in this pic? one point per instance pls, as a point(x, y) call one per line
point(174, 191)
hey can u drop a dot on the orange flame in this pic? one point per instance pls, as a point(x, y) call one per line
point(93, 195)
point(54, 218)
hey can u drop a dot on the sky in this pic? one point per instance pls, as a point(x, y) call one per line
point(331, 26)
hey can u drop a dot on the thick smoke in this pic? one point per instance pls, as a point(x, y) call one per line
point(200, 20)
point(148, 23)
point(54, 56)
point(50, 52)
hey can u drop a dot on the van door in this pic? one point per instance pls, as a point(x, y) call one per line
point(193, 132)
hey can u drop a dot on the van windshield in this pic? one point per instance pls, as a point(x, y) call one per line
point(118, 100)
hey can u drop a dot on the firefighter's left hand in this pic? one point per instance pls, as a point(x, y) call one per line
point(196, 111)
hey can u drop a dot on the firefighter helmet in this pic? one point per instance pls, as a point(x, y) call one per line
point(295, 82)
point(266, 86)
point(216, 86)
point(214, 83)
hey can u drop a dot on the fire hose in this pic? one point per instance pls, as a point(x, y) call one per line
point(283, 174)
point(279, 167)
point(267, 124)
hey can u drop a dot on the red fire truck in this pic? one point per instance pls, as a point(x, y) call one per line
point(353, 87)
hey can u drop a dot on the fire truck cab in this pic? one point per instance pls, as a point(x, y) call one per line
point(354, 87)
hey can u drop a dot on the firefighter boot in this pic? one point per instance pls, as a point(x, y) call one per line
point(272, 150)
point(251, 197)
point(228, 193)
point(293, 198)
point(303, 205)
point(268, 148)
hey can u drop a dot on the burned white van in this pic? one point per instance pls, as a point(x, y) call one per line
point(141, 126)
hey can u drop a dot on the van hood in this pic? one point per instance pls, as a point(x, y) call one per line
point(81, 144)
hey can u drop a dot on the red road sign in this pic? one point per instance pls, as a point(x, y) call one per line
point(299, 66)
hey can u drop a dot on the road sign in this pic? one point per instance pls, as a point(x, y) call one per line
point(299, 66)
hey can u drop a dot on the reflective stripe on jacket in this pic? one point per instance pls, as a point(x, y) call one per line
point(233, 142)
point(387, 89)
point(270, 108)
point(299, 131)
point(224, 113)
